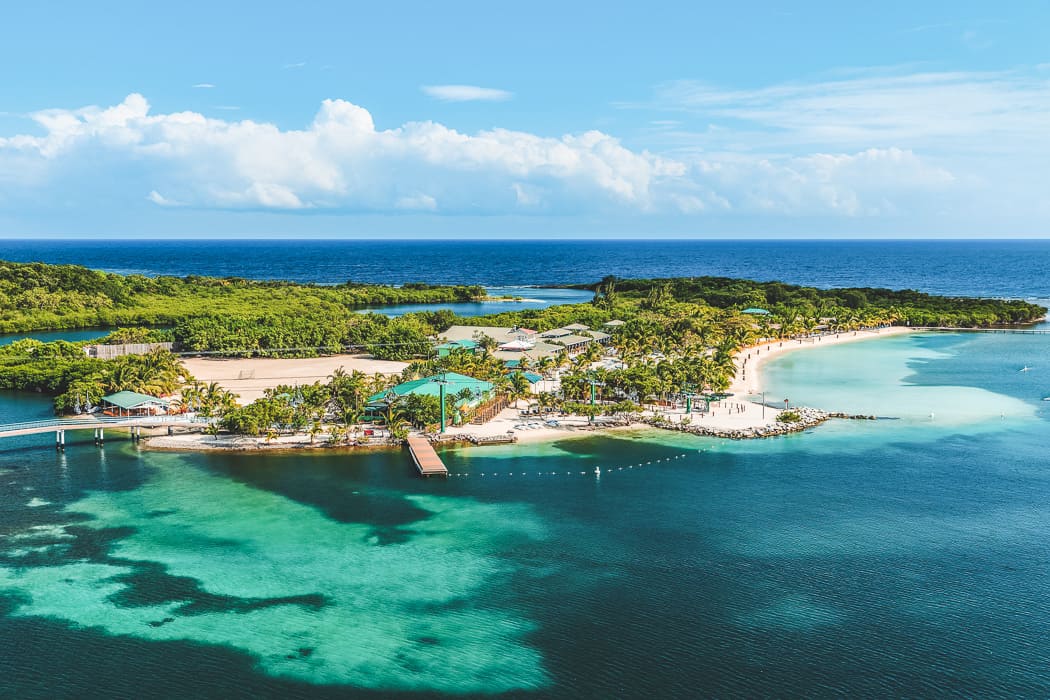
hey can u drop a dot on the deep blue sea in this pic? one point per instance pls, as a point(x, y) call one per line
point(892, 558)
point(979, 268)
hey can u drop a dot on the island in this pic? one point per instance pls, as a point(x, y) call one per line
point(240, 364)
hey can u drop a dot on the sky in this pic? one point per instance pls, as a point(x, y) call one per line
point(540, 119)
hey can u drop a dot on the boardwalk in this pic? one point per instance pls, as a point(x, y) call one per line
point(426, 459)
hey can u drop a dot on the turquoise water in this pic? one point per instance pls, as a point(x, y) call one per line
point(894, 557)
point(51, 336)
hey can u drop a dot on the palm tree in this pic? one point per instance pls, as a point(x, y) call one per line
point(486, 342)
point(336, 434)
point(191, 396)
point(502, 385)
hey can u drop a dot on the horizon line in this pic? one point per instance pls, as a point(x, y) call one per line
point(516, 239)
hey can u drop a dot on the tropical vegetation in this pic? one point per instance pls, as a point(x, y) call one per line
point(678, 338)
point(38, 296)
point(78, 382)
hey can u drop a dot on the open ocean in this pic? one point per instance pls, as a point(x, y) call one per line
point(905, 557)
point(981, 268)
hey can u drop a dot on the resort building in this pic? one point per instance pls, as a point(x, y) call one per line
point(131, 403)
point(454, 384)
point(754, 311)
point(445, 349)
point(535, 380)
point(514, 344)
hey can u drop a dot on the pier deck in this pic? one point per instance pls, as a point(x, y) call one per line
point(426, 459)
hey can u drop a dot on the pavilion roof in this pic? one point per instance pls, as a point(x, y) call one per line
point(133, 399)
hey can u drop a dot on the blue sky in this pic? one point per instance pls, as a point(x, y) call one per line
point(825, 119)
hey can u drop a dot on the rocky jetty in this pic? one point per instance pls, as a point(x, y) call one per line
point(808, 418)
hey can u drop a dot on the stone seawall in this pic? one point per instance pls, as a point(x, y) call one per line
point(810, 417)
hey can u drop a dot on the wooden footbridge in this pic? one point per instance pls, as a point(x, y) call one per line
point(98, 424)
point(426, 459)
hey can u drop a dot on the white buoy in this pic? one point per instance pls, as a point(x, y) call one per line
point(597, 472)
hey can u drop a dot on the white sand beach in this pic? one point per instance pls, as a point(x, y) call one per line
point(749, 361)
point(738, 413)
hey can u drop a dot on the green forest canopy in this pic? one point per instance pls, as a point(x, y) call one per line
point(39, 296)
point(240, 316)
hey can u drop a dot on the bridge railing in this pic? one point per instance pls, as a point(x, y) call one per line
point(84, 423)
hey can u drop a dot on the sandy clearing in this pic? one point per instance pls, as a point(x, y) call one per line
point(248, 377)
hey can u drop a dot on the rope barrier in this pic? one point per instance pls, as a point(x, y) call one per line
point(602, 470)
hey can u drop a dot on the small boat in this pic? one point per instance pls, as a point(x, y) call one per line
point(1046, 398)
point(1026, 368)
point(598, 472)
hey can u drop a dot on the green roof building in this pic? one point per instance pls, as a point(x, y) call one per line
point(531, 376)
point(445, 349)
point(430, 386)
point(131, 403)
point(755, 311)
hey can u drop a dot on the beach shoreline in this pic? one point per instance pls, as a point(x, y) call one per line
point(747, 380)
point(736, 417)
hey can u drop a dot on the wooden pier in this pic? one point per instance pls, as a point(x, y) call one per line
point(426, 459)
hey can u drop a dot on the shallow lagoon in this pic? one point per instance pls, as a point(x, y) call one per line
point(896, 557)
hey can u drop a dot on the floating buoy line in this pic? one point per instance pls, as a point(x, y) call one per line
point(597, 472)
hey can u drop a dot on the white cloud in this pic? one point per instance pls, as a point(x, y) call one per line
point(342, 163)
point(160, 200)
point(946, 111)
point(419, 202)
point(876, 182)
point(203, 86)
point(526, 195)
point(466, 93)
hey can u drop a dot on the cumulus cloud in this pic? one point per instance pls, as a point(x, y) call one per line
point(874, 182)
point(341, 162)
point(466, 93)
